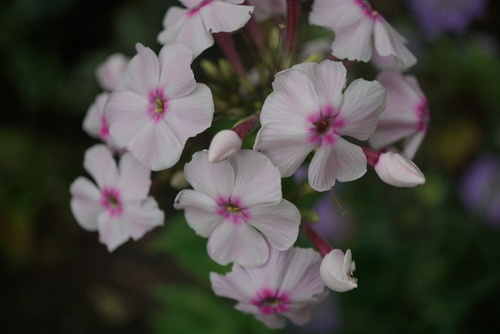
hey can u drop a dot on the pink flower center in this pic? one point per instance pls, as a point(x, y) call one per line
point(110, 200)
point(269, 301)
point(232, 209)
point(325, 127)
point(158, 105)
point(195, 9)
point(367, 9)
point(423, 115)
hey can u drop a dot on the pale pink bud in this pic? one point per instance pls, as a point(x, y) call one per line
point(336, 270)
point(396, 170)
point(109, 72)
point(224, 143)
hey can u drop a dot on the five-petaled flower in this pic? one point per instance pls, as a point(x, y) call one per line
point(237, 204)
point(159, 106)
point(195, 24)
point(307, 111)
point(119, 206)
point(360, 31)
point(287, 286)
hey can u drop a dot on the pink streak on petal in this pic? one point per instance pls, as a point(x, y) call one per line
point(423, 116)
point(367, 9)
point(104, 133)
point(195, 10)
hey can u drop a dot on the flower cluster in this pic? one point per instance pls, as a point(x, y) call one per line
point(308, 114)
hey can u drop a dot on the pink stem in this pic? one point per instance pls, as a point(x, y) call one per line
point(247, 126)
point(255, 32)
point(321, 245)
point(226, 44)
point(292, 24)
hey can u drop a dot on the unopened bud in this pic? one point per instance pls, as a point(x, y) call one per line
point(336, 270)
point(396, 170)
point(224, 143)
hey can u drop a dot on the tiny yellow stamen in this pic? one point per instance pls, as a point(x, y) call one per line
point(233, 208)
point(374, 13)
point(159, 106)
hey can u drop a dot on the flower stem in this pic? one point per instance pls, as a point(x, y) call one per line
point(371, 156)
point(226, 44)
point(321, 245)
point(247, 126)
point(292, 25)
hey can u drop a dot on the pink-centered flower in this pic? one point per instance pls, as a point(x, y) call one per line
point(406, 116)
point(118, 206)
point(266, 9)
point(308, 111)
point(287, 286)
point(195, 24)
point(159, 106)
point(96, 125)
point(237, 203)
point(360, 31)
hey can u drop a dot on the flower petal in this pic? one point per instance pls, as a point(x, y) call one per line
point(195, 34)
point(241, 244)
point(134, 180)
point(200, 211)
point(221, 16)
point(99, 163)
point(85, 203)
point(113, 232)
point(389, 42)
point(353, 41)
point(278, 223)
point(176, 76)
point(363, 103)
point(142, 73)
point(257, 181)
point(344, 162)
point(213, 179)
point(143, 218)
point(126, 113)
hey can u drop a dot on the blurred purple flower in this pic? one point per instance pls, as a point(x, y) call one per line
point(333, 226)
point(480, 188)
point(436, 16)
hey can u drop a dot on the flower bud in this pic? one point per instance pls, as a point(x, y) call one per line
point(224, 143)
point(336, 270)
point(396, 170)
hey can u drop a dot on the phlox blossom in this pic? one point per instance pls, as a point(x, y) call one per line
point(406, 116)
point(96, 125)
point(195, 24)
point(118, 206)
point(308, 111)
point(159, 106)
point(237, 203)
point(336, 271)
point(287, 286)
point(360, 31)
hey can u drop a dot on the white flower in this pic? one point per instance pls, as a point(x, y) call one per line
point(336, 270)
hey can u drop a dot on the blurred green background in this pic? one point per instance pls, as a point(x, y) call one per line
point(425, 263)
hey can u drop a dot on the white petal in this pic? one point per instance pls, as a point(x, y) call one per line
point(225, 17)
point(224, 144)
point(143, 71)
point(332, 272)
point(272, 321)
point(156, 146)
point(389, 42)
point(354, 42)
point(126, 113)
point(241, 244)
point(92, 122)
point(113, 231)
point(344, 162)
point(195, 34)
point(85, 203)
point(134, 180)
point(173, 22)
point(278, 223)
point(200, 211)
point(257, 180)
point(192, 114)
point(286, 146)
point(213, 179)
point(108, 73)
point(412, 144)
point(143, 218)
point(176, 77)
point(99, 163)
point(364, 101)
